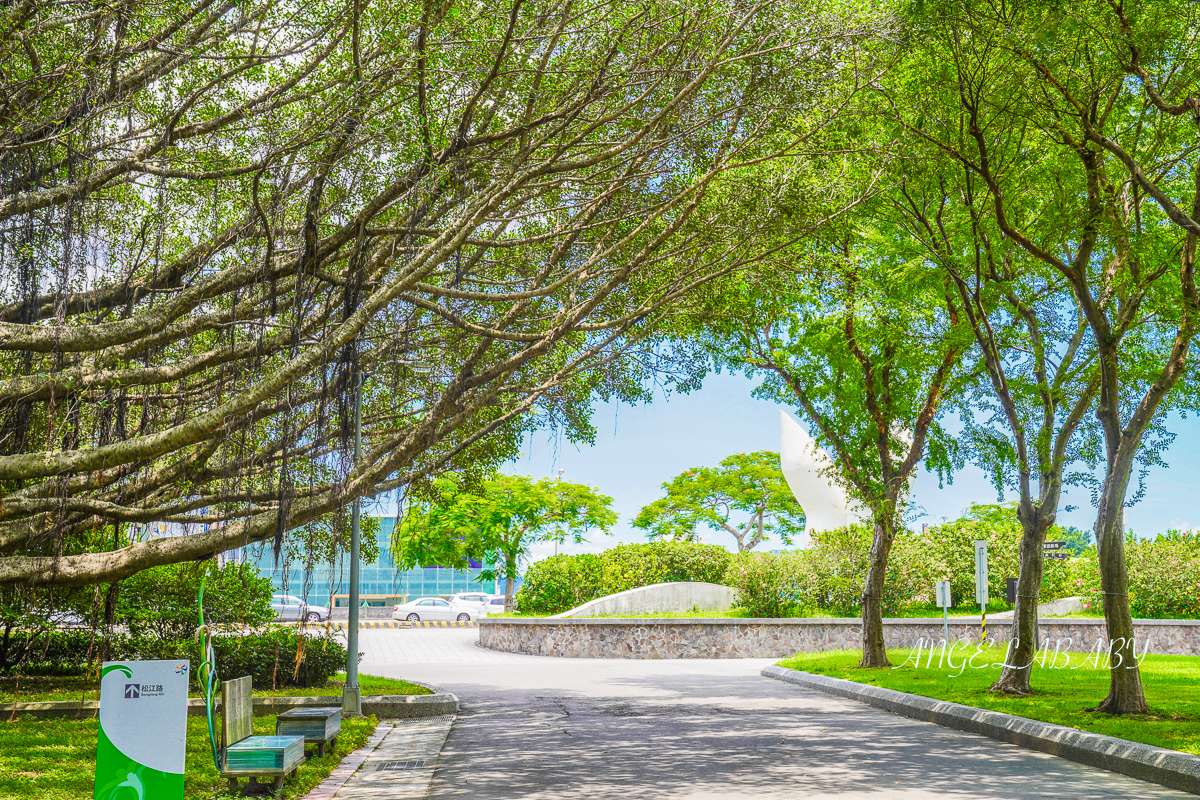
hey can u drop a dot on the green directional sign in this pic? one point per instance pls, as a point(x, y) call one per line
point(143, 730)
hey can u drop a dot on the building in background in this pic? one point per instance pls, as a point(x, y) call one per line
point(381, 583)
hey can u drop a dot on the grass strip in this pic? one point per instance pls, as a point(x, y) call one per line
point(1061, 691)
point(55, 759)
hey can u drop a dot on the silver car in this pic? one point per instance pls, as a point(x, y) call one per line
point(472, 600)
point(433, 608)
point(293, 609)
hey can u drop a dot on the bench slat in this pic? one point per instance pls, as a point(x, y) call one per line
point(237, 710)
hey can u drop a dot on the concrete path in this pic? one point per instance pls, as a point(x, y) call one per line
point(403, 763)
point(534, 728)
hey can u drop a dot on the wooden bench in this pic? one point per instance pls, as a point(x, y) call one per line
point(244, 755)
point(317, 725)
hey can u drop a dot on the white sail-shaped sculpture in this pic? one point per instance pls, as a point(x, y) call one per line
point(805, 467)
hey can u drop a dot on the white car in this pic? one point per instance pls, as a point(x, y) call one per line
point(473, 600)
point(433, 608)
point(494, 605)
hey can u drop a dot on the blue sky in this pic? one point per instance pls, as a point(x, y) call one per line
point(637, 448)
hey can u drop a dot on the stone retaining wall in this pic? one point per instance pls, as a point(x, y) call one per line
point(776, 638)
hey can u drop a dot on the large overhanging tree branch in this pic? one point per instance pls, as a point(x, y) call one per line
point(229, 213)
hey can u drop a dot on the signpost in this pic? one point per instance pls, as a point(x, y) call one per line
point(941, 590)
point(981, 585)
point(142, 739)
point(1055, 550)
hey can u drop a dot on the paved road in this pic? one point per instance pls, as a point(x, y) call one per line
point(534, 728)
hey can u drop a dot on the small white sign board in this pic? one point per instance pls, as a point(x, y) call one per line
point(981, 572)
point(142, 738)
point(941, 592)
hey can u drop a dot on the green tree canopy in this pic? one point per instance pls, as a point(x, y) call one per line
point(751, 485)
point(497, 524)
point(1074, 129)
point(214, 217)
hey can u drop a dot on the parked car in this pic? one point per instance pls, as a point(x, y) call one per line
point(494, 605)
point(288, 608)
point(475, 600)
point(433, 608)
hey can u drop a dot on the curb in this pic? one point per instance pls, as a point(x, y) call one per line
point(410, 706)
point(371, 625)
point(391, 706)
point(1169, 768)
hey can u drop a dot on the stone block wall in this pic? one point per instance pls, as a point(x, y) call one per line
point(778, 638)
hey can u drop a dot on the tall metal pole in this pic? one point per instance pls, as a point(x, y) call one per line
point(351, 694)
point(560, 473)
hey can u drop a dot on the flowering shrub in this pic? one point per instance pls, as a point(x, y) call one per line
point(829, 574)
point(947, 552)
point(1164, 576)
point(560, 583)
point(767, 583)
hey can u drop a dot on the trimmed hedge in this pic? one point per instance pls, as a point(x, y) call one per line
point(829, 574)
point(275, 658)
point(1164, 576)
point(560, 583)
point(53, 652)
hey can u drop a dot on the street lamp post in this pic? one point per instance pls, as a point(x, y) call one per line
point(351, 693)
point(560, 473)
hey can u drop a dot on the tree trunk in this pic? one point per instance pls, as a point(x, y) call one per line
point(1014, 677)
point(510, 572)
point(874, 652)
point(1125, 694)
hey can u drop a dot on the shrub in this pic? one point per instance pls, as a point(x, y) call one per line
point(628, 566)
point(52, 652)
point(275, 658)
point(161, 601)
point(832, 569)
point(559, 583)
point(279, 657)
point(767, 583)
point(949, 554)
point(1164, 576)
point(829, 573)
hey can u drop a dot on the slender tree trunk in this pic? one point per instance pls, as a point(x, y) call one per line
point(510, 574)
point(1014, 677)
point(1125, 694)
point(874, 652)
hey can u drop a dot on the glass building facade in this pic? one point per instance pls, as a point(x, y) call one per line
point(324, 582)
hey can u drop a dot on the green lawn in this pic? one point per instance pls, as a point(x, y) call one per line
point(1172, 685)
point(21, 688)
point(55, 759)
